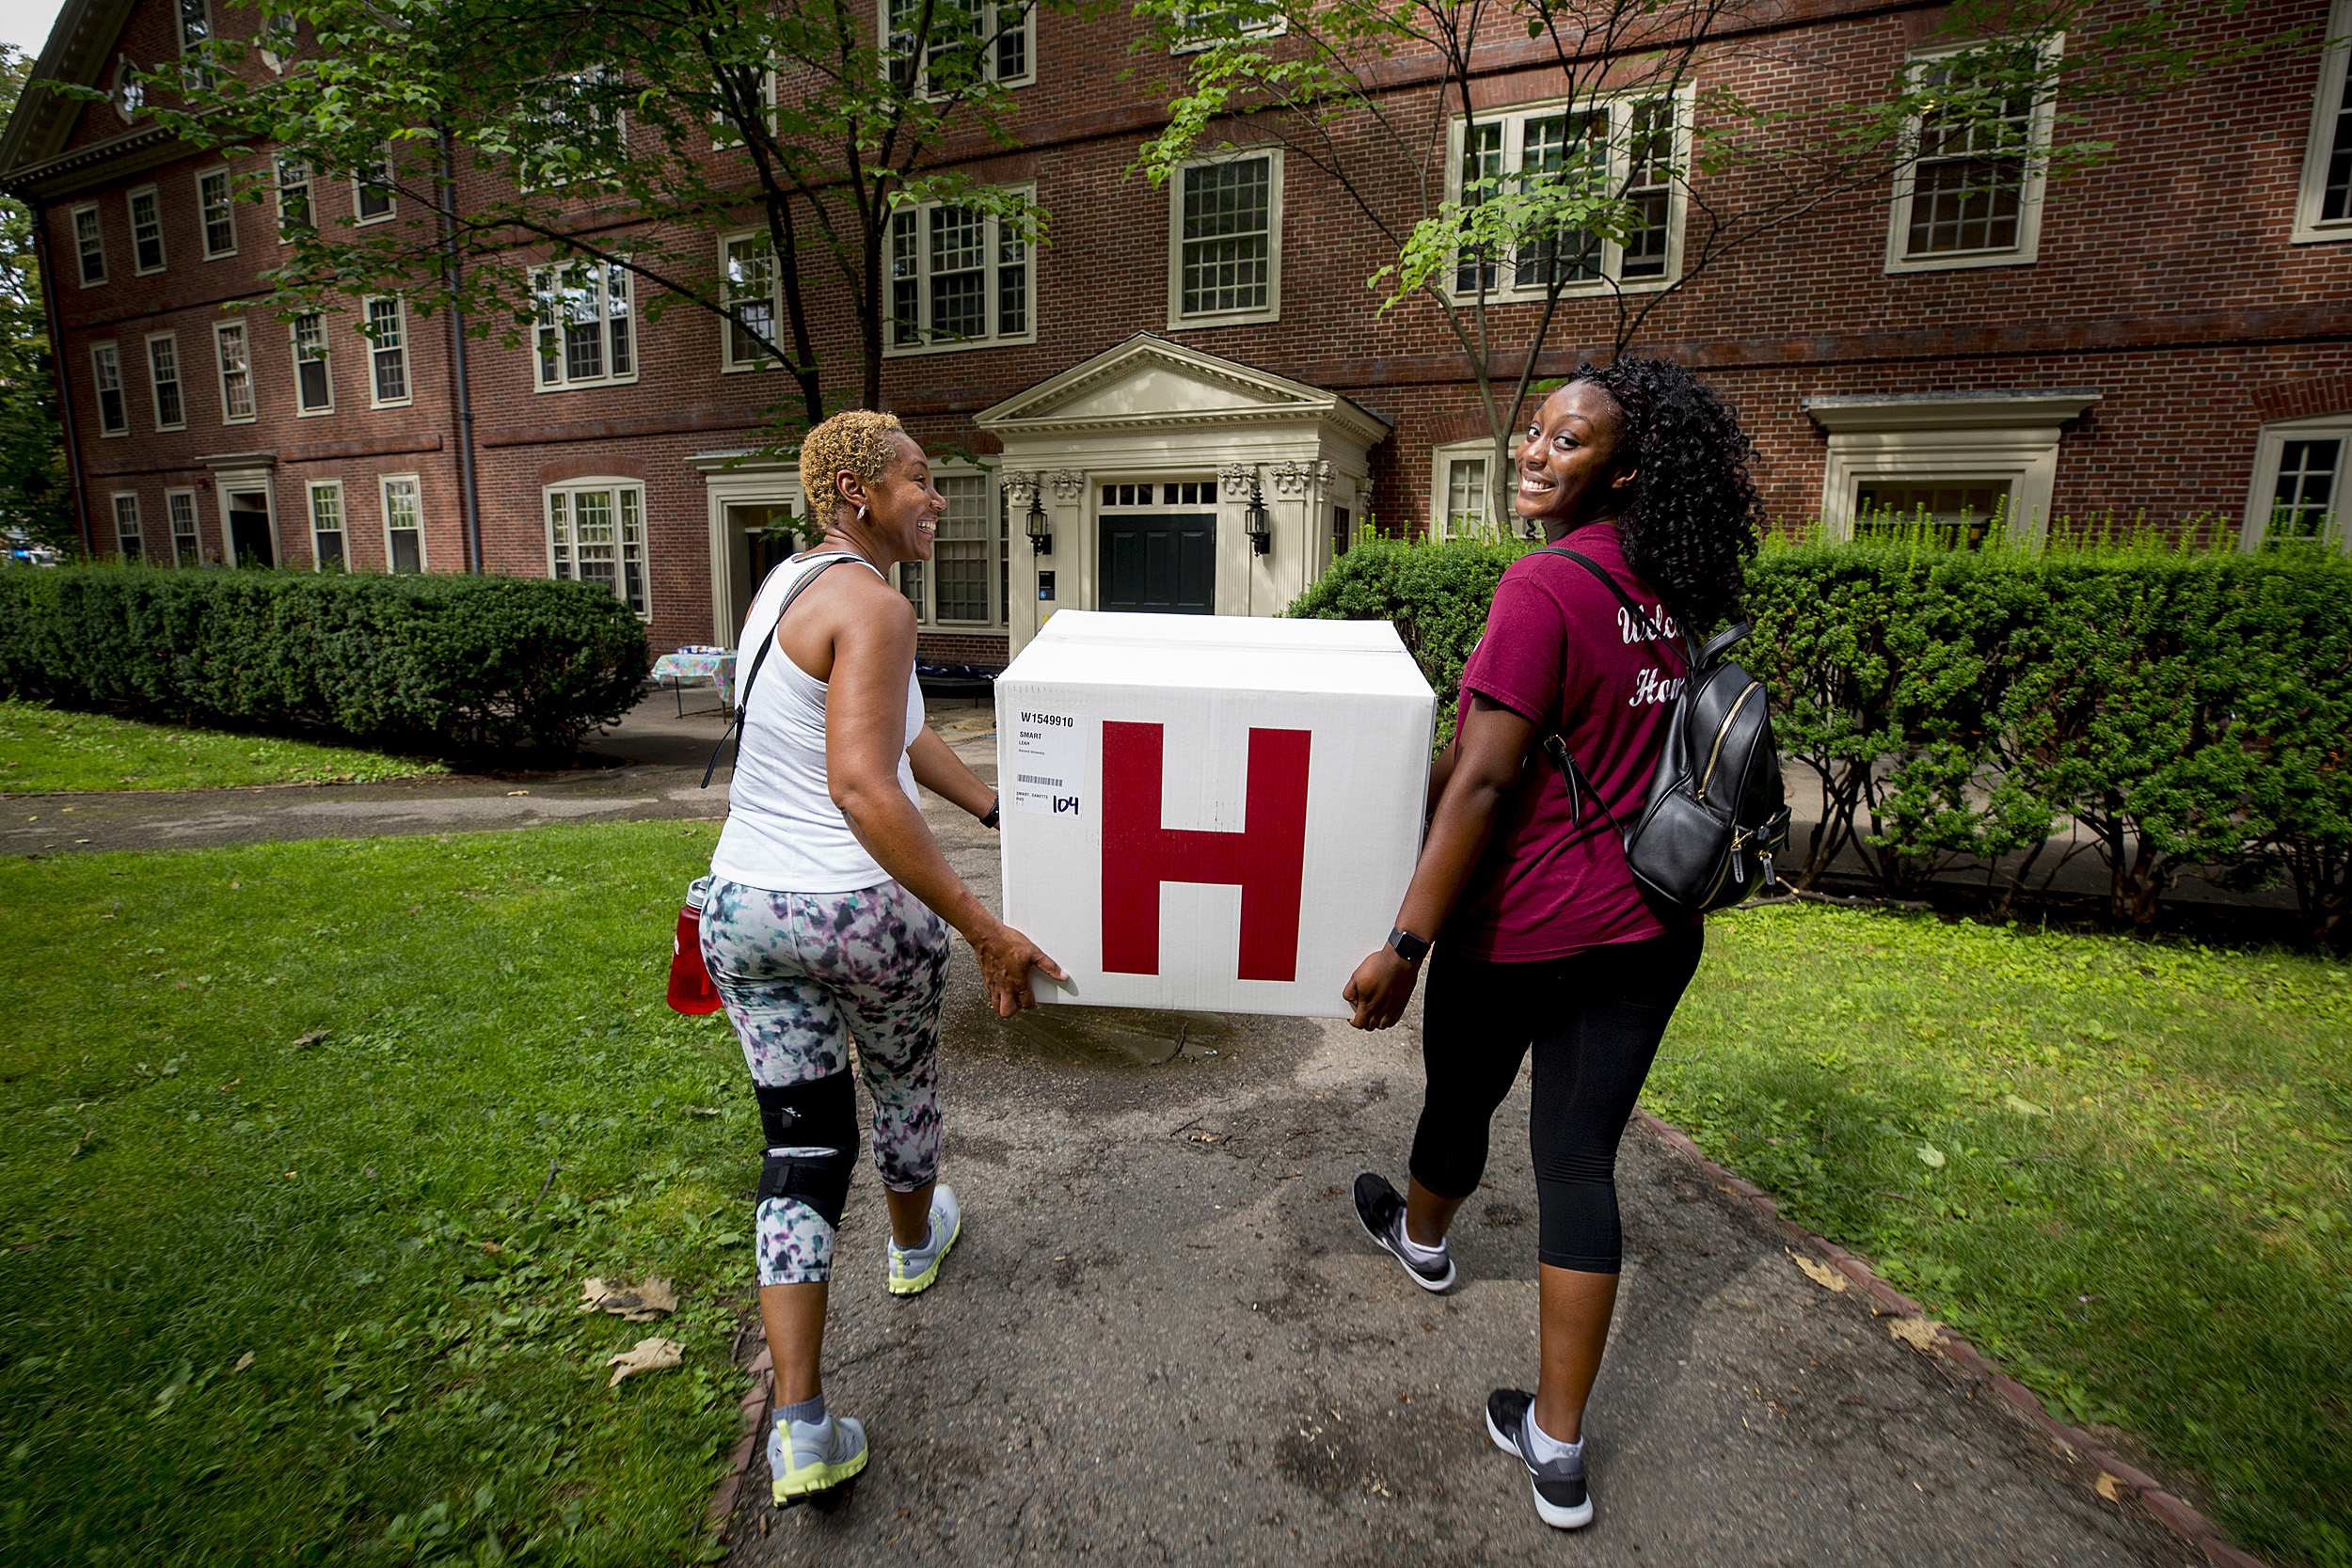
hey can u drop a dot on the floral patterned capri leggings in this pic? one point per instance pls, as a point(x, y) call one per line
point(803, 977)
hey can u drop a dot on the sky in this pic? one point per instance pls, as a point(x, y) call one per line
point(26, 23)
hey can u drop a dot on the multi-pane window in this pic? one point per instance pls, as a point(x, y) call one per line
point(277, 35)
point(181, 504)
point(1972, 194)
point(1958, 512)
point(580, 116)
point(596, 533)
point(961, 551)
point(1621, 151)
point(750, 294)
point(219, 218)
point(196, 27)
point(1227, 249)
point(584, 324)
point(2323, 204)
point(372, 189)
point(963, 39)
point(960, 278)
point(403, 524)
point(387, 352)
point(114, 414)
point(163, 373)
point(314, 386)
point(1189, 493)
point(294, 216)
point(89, 244)
point(127, 525)
point(236, 372)
point(147, 231)
point(327, 524)
point(1467, 507)
point(2303, 496)
point(129, 94)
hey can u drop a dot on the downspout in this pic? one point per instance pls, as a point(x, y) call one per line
point(470, 495)
point(56, 363)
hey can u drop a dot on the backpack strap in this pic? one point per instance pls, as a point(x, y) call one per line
point(744, 691)
point(1649, 629)
point(1556, 745)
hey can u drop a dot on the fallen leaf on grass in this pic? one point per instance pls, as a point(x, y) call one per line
point(646, 1355)
point(2022, 1107)
point(1929, 1156)
point(304, 1043)
point(2107, 1486)
point(1821, 1274)
point(242, 1362)
point(1918, 1333)
point(638, 1304)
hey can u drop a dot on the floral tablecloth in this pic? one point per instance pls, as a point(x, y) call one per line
point(716, 665)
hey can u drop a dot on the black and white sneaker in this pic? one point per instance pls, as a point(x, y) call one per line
point(1382, 1208)
point(1561, 1500)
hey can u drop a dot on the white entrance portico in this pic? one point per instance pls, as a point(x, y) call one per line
point(1139, 439)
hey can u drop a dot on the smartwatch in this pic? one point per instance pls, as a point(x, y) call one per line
point(1408, 946)
point(994, 807)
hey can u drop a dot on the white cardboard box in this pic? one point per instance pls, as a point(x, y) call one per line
point(1210, 814)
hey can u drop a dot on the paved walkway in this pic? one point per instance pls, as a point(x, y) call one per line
point(1164, 1337)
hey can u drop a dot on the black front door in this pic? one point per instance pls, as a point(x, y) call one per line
point(249, 530)
point(1164, 562)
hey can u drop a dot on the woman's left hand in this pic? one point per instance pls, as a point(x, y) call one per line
point(1380, 987)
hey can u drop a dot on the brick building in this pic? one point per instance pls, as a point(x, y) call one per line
point(2165, 336)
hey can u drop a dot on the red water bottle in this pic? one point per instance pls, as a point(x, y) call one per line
point(691, 990)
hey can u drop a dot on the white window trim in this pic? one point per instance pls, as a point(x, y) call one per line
point(204, 228)
point(177, 364)
point(927, 613)
point(636, 337)
point(74, 221)
point(728, 364)
point(2028, 247)
point(193, 74)
point(129, 214)
point(359, 181)
point(1271, 309)
point(2327, 101)
point(531, 168)
point(384, 483)
point(1441, 460)
point(922, 85)
point(722, 136)
point(408, 358)
point(195, 516)
point(922, 221)
point(220, 373)
point(310, 518)
point(1997, 438)
point(1273, 27)
point(115, 499)
point(1612, 253)
point(265, 33)
point(123, 390)
point(644, 522)
point(310, 186)
point(326, 342)
point(2267, 450)
point(127, 93)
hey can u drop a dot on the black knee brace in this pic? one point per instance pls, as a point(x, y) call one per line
point(817, 1113)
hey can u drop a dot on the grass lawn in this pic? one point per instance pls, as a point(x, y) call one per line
point(2120, 1167)
point(183, 1187)
point(43, 748)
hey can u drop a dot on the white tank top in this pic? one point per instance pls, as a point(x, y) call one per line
point(783, 833)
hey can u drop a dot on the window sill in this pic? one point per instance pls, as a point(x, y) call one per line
point(112, 435)
point(2331, 233)
point(248, 419)
point(170, 429)
point(1895, 266)
point(584, 386)
point(221, 256)
point(312, 413)
point(1228, 318)
point(148, 272)
point(396, 403)
point(909, 351)
point(370, 223)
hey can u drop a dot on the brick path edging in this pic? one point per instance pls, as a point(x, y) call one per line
point(2199, 1530)
point(2194, 1527)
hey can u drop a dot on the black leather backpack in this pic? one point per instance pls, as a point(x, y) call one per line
point(1715, 814)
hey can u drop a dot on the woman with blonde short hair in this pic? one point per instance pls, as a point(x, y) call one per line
point(825, 927)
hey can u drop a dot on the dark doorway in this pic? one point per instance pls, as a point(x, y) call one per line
point(248, 529)
point(1164, 562)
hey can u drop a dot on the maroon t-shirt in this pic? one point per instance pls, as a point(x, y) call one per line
point(1562, 650)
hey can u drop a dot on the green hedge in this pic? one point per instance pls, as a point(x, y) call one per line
point(2182, 708)
point(464, 663)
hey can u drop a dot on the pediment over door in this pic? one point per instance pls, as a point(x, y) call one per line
point(1151, 383)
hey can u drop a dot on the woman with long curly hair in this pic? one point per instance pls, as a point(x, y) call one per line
point(1542, 940)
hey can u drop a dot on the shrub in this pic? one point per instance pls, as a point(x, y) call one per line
point(467, 663)
point(2182, 707)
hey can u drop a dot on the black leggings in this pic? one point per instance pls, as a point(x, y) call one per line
point(1594, 1019)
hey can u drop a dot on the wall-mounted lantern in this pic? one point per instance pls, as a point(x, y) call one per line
point(1255, 521)
point(1040, 533)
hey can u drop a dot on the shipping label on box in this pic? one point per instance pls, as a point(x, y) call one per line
point(1214, 814)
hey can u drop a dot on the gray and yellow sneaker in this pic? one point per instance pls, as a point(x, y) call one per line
point(808, 1457)
point(1560, 1499)
point(912, 1270)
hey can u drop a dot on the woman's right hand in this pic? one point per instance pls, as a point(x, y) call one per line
point(1006, 958)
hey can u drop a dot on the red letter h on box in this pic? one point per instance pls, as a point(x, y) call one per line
point(1267, 857)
